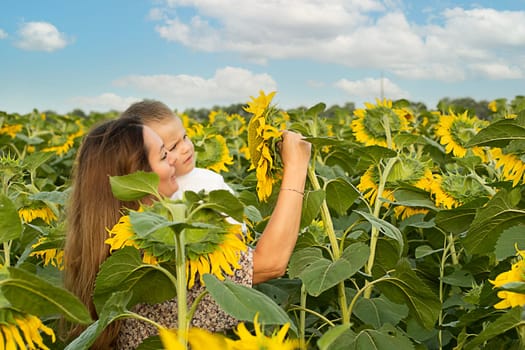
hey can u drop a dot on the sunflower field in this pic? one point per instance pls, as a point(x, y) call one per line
point(412, 234)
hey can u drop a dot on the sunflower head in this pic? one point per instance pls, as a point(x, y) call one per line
point(198, 339)
point(456, 130)
point(214, 153)
point(451, 190)
point(20, 330)
point(405, 171)
point(262, 137)
point(30, 213)
point(11, 130)
point(277, 340)
point(213, 249)
point(515, 274)
point(377, 124)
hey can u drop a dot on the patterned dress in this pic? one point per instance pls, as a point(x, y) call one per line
point(207, 316)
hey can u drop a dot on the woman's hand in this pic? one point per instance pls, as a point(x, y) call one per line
point(295, 151)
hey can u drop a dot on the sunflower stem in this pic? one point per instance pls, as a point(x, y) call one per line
point(374, 235)
point(453, 252)
point(181, 289)
point(7, 253)
point(329, 227)
point(302, 318)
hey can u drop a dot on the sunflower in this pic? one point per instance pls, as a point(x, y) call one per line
point(456, 130)
point(11, 130)
point(217, 253)
point(406, 171)
point(18, 330)
point(215, 155)
point(198, 339)
point(260, 341)
point(122, 235)
point(452, 190)
point(512, 166)
point(493, 106)
point(515, 274)
point(218, 262)
point(369, 127)
point(261, 136)
point(29, 214)
point(51, 256)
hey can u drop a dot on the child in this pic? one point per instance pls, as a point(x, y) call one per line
point(169, 126)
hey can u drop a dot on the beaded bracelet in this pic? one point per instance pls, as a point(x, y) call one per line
point(294, 190)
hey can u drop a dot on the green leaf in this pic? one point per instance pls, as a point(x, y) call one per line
point(28, 292)
point(341, 195)
point(387, 337)
point(125, 271)
point(134, 186)
point(301, 259)
point(498, 134)
point(500, 213)
point(35, 160)
point(311, 206)
point(455, 220)
point(460, 278)
point(406, 287)
point(225, 202)
point(509, 320)
point(114, 309)
point(413, 198)
point(374, 154)
point(244, 302)
point(425, 250)
point(57, 197)
point(402, 140)
point(357, 255)
point(10, 224)
point(385, 227)
point(323, 141)
point(330, 336)
point(517, 287)
point(379, 311)
point(323, 274)
point(508, 241)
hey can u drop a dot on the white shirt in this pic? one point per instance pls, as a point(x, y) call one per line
point(200, 179)
point(203, 179)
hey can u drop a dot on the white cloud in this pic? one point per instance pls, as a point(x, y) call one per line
point(228, 85)
point(3, 34)
point(359, 34)
point(103, 102)
point(40, 36)
point(498, 71)
point(371, 88)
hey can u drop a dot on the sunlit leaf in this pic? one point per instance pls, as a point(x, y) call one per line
point(500, 213)
point(134, 186)
point(10, 224)
point(341, 195)
point(244, 302)
point(385, 227)
point(28, 292)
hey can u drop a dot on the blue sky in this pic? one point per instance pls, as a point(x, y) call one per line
point(101, 55)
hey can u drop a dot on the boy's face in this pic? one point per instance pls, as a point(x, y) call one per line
point(177, 143)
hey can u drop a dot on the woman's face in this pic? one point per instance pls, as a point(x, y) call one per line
point(177, 143)
point(160, 162)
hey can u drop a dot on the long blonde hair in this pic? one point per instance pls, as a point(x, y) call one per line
point(112, 148)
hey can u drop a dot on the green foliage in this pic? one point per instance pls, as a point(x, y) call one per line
point(389, 263)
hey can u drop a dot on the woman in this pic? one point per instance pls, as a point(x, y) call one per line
point(113, 148)
point(123, 146)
